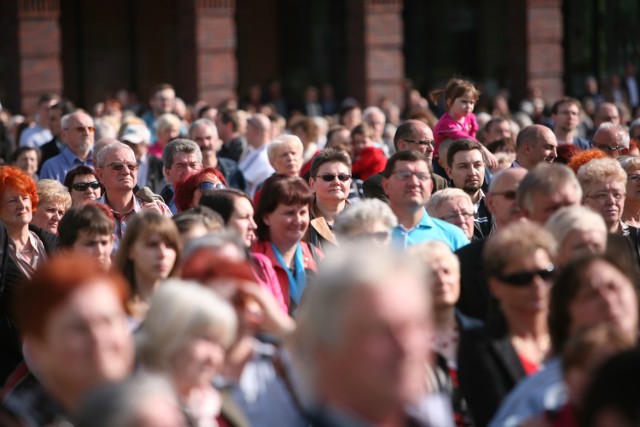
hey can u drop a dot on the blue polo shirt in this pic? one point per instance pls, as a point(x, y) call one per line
point(429, 229)
point(58, 166)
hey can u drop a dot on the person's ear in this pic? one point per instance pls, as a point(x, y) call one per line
point(385, 186)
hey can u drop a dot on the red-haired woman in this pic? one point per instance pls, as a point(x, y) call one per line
point(23, 249)
point(190, 190)
point(282, 217)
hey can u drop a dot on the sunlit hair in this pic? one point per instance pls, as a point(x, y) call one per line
point(179, 312)
point(584, 157)
point(54, 283)
point(455, 89)
point(545, 178)
point(443, 196)
point(574, 218)
point(517, 241)
point(280, 190)
point(599, 171)
point(273, 149)
point(367, 211)
point(187, 187)
point(52, 191)
point(19, 181)
point(198, 215)
point(144, 225)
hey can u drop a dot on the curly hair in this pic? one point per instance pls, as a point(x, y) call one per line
point(19, 181)
point(184, 189)
point(585, 157)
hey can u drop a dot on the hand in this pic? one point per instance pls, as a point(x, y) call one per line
point(268, 317)
point(151, 206)
point(489, 158)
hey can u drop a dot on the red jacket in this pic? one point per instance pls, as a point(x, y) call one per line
point(370, 162)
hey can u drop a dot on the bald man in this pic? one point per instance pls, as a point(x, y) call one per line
point(535, 144)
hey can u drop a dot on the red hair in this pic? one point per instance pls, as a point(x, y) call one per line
point(584, 158)
point(566, 152)
point(184, 189)
point(54, 283)
point(18, 181)
point(205, 264)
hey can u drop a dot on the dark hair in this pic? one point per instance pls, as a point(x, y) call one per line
point(329, 156)
point(65, 106)
point(568, 284)
point(404, 156)
point(615, 387)
point(280, 190)
point(462, 144)
point(229, 115)
point(455, 89)
point(363, 129)
point(92, 217)
point(565, 100)
point(308, 126)
point(223, 201)
point(21, 150)
point(501, 144)
point(405, 130)
point(333, 129)
point(81, 170)
point(47, 97)
point(157, 88)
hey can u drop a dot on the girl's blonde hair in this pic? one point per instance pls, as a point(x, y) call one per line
point(455, 89)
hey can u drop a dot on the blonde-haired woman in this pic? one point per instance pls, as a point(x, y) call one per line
point(185, 336)
point(55, 200)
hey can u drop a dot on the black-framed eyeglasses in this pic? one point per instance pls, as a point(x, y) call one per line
point(405, 175)
point(424, 142)
point(329, 177)
point(208, 185)
point(609, 148)
point(525, 278)
point(456, 215)
point(82, 186)
point(119, 166)
point(509, 195)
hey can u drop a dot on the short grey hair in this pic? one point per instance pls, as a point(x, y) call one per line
point(600, 170)
point(181, 310)
point(52, 191)
point(571, 218)
point(443, 196)
point(369, 111)
point(620, 132)
point(203, 122)
point(363, 212)
point(111, 148)
point(629, 163)
point(64, 121)
point(344, 274)
point(545, 178)
point(274, 146)
point(117, 404)
point(180, 145)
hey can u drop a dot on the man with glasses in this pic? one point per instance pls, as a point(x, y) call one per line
point(181, 157)
point(117, 170)
point(408, 185)
point(501, 202)
point(77, 135)
point(410, 135)
point(565, 114)
point(611, 139)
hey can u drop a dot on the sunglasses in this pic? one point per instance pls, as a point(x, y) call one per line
point(118, 166)
point(524, 278)
point(82, 186)
point(426, 143)
point(81, 129)
point(329, 177)
point(510, 195)
point(207, 185)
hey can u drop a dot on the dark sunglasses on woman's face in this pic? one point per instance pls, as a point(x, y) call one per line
point(329, 177)
point(523, 279)
point(82, 186)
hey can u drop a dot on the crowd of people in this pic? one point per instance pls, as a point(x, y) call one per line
point(224, 266)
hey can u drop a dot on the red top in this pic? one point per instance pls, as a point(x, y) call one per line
point(370, 162)
point(265, 248)
point(529, 367)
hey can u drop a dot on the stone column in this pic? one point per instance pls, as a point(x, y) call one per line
point(536, 47)
point(375, 61)
point(34, 44)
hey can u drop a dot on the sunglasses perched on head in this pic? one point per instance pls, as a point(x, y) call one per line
point(82, 186)
point(208, 185)
point(525, 278)
point(329, 177)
